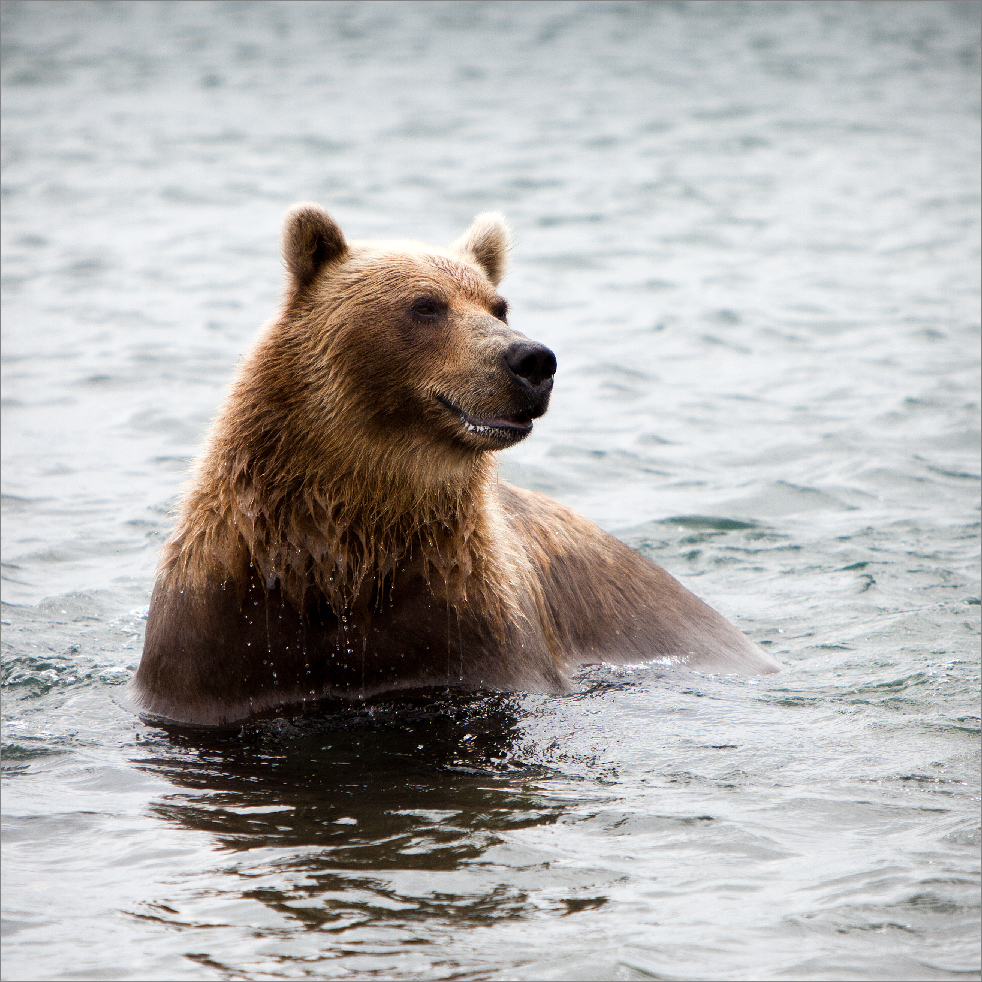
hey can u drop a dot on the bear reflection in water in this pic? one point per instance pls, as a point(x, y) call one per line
point(345, 533)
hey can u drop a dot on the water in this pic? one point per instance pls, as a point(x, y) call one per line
point(750, 233)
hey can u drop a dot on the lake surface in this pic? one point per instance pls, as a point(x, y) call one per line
point(750, 232)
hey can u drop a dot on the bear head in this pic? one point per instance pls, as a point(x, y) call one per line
point(403, 350)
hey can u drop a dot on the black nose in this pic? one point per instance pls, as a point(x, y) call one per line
point(531, 362)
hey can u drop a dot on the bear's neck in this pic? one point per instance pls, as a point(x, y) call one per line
point(343, 530)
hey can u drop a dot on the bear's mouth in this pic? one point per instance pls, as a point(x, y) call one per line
point(508, 428)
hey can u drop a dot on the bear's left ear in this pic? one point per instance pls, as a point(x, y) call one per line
point(311, 240)
point(486, 243)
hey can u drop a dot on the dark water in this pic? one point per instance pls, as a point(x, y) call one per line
point(751, 234)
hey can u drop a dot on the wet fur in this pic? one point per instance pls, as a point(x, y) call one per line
point(343, 535)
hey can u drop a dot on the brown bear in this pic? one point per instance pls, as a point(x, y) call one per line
point(345, 533)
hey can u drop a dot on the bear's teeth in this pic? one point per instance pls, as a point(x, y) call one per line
point(486, 429)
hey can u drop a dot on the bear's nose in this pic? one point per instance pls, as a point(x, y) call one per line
point(530, 361)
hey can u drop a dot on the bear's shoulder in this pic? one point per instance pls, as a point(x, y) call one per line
point(608, 602)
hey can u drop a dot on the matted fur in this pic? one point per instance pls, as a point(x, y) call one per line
point(345, 532)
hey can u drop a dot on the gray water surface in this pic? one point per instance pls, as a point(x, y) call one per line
point(751, 234)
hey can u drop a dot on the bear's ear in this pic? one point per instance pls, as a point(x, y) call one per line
point(486, 243)
point(311, 240)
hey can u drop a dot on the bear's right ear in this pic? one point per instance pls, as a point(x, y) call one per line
point(311, 240)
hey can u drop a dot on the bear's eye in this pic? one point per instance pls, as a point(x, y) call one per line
point(426, 308)
point(500, 309)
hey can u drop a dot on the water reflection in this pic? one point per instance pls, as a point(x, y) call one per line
point(386, 810)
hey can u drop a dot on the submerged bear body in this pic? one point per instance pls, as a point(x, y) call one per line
point(345, 533)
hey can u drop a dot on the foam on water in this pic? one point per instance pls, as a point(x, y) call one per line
point(750, 234)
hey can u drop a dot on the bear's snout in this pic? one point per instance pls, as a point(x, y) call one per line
point(532, 364)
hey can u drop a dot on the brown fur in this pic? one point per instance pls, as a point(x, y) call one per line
point(345, 533)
